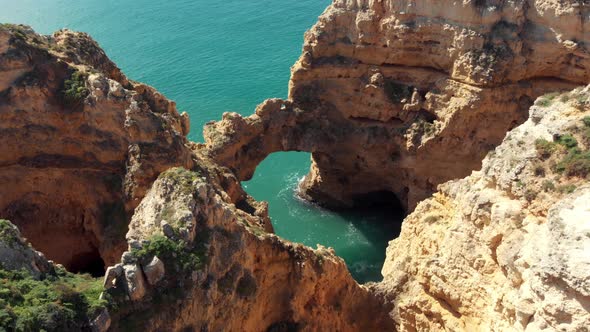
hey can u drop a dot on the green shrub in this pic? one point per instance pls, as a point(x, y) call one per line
point(575, 163)
point(398, 91)
point(545, 148)
point(566, 189)
point(543, 102)
point(547, 99)
point(61, 302)
point(18, 31)
point(581, 98)
point(539, 169)
point(75, 89)
point(8, 233)
point(568, 141)
point(530, 194)
point(564, 98)
point(175, 254)
point(184, 178)
point(574, 160)
point(426, 127)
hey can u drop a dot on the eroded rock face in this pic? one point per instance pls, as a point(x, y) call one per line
point(17, 255)
point(386, 97)
point(82, 145)
point(506, 248)
point(79, 145)
point(402, 96)
point(223, 272)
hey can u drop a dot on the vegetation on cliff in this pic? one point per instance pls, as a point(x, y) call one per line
point(564, 154)
point(75, 89)
point(55, 300)
point(61, 302)
point(176, 254)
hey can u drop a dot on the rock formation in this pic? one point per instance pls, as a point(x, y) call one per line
point(198, 262)
point(82, 147)
point(36, 295)
point(79, 145)
point(401, 96)
point(506, 248)
point(389, 96)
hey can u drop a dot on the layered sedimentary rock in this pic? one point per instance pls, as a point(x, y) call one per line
point(79, 145)
point(401, 96)
point(388, 95)
point(505, 248)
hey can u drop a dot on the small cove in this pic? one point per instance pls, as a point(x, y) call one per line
point(360, 236)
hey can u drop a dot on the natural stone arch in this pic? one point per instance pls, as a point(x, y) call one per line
point(401, 102)
point(408, 154)
point(243, 143)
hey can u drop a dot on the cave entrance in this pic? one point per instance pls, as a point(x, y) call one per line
point(87, 262)
point(380, 207)
point(359, 235)
point(378, 199)
point(61, 236)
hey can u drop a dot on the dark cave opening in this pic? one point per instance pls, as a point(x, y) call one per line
point(382, 207)
point(87, 262)
point(61, 236)
point(377, 199)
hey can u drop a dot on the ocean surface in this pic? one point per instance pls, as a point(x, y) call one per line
point(218, 56)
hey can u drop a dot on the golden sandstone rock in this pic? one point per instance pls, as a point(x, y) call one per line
point(73, 171)
point(402, 96)
point(505, 248)
point(388, 96)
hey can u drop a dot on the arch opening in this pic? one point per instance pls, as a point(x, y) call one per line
point(359, 234)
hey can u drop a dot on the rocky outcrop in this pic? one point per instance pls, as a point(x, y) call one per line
point(506, 248)
point(198, 262)
point(79, 145)
point(401, 96)
point(17, 255)
point(82, 146)
point(396, 96)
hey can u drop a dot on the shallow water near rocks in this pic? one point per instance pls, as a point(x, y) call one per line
point(360, 236)
point(213, 57)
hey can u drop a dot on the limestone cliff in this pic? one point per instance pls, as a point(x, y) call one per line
point(79, 145)
point(506, 248)
point(390, 95)
point(401, 96)
point(198, 262)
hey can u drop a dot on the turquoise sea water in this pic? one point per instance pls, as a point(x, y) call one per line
point(217, 56)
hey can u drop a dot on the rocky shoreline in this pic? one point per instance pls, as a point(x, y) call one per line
point(473, 114)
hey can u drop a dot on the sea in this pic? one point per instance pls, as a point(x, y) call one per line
point(213, 57)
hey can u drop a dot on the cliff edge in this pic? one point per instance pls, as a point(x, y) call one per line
point(473, 113)
point(402, 96)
